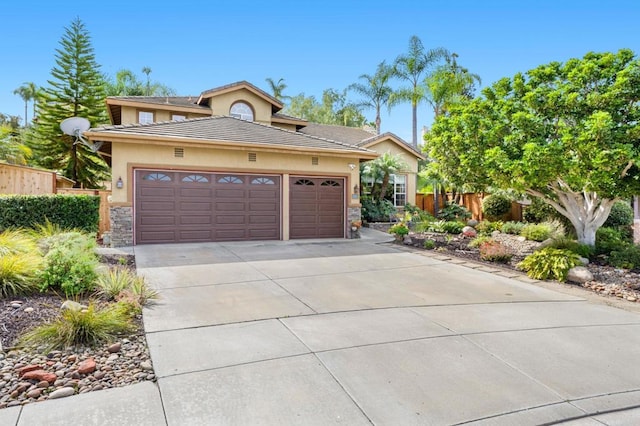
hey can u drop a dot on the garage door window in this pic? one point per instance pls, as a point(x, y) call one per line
point(329, 183)
point(304, 182)
point(262, 181)
point(195, 178)
point(157, 176)
point(230, 179)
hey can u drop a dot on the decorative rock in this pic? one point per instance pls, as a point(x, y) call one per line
point(112, 358)
point(495, 233)
point(87, 366)
point(407, 240)
point(22, 370)
point(469, 231)
point(584, 261)
point(579, 274)
point(43, 384)
point(16, 305)
point(35, 393)
point(146, 365)
point(114, 348)
point(632, 298)
point(29, 310)
point(521, 239)
point(61, 393)
point(99, 375)
point(72, 305)
point(472, 223)
point(40, 375)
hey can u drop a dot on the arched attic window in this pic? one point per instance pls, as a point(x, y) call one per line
point(241, 110)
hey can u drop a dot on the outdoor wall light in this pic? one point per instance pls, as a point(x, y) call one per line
point(352, 166)
point(119, 183)
point(356, 189)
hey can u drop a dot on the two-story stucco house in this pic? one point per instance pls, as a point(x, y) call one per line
point(227, 165)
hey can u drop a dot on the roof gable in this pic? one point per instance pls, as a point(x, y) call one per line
point(239, 85)
point(388, 136)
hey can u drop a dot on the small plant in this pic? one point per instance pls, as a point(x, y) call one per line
point(143, 294)
point(496, 205)
point(549, 263)
point(494, 251)
point(15, 242)
point(476, 242)
point(536, 231)
point(454, 212)
point(399, 229)
point(110, 283)
point(437, 226)
point(429, 244)
point(89, 326)
point(566, 243)
point(453, 227)
point(611, 239)
point(20, 261)
point(512, 227)
point(69, 263)
point(627, 258)
point(448, 238)
point(621, 215)
point(486, 227)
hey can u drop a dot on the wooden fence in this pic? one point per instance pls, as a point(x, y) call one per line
point(16, 179)
point(472, 201)
point(105, 223)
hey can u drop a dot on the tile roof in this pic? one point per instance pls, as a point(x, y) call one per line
point(183, 101)
point(353, 135)
point(225, 128)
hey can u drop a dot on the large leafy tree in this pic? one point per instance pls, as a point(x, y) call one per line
point(76, 89)
point(334, 108)
point(375, 90)
point(12, 150)
point(564, 132)
point(127, 83)
point(412, 67)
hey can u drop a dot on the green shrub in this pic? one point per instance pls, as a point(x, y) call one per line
point(80, 327)
point(453, 227)
point(548, 263)
point(429, 244)
point(496, 205)
point(512, 227)
point(611, 239)
point(68, 211)
point(69, 263)
point(566, 243)
point(453, 211)
point(537, 231)
point(486, 227)
point(538, 211)
point(621, 215)
point(377, 211)
point(476, 242)
point(627, 257)
point(494, 251)
point(399, 229)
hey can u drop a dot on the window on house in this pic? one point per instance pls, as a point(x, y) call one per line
point(242, 111)
point(399, 183)
point(178, 117)
point(145, 117)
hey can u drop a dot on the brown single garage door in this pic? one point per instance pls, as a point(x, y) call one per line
point(316, 207)
point(173, 207)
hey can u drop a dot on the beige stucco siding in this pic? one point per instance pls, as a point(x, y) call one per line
point(221, 104)
point(409, 158)
point(127, 156)
point(130, 114)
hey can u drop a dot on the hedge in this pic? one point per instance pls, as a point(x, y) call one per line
point(68, 211)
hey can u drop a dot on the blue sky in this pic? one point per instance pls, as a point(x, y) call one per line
point(192, 46)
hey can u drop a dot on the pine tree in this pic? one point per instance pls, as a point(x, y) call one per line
point(76, 89)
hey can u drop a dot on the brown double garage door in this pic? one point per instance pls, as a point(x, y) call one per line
point(173, 207)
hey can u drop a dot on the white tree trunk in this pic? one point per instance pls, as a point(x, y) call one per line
point(586, 211)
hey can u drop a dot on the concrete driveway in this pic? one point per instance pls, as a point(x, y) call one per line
point(353, 332)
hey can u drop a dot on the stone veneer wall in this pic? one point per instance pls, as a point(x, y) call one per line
point(354, 214)
point(121, 226)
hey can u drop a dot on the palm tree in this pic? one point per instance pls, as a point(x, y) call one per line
point(383, 167)
point(411, 67)
point(449, 84)
point(147, 71)
point(277, 88)
point(27, 92)
point(375, 90)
